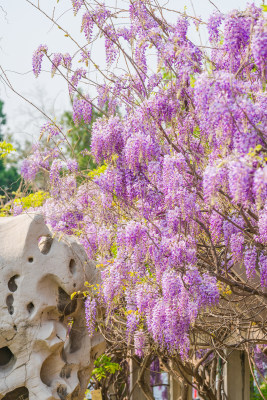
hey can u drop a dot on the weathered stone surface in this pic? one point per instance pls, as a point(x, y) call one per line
point(39, 358)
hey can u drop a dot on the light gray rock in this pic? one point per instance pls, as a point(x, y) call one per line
point(39, 357)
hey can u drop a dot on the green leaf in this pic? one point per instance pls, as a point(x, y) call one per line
point(97, 171)
point(192, 81)
point(5, 149)
point(32, 200)
point(103, 366)
point(196, 132)
point(112, 367)
point(100, 375)
point(114, 249)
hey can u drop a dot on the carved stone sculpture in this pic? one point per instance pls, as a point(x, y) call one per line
point(40, 356)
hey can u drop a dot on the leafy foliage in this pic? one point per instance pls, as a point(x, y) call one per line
point(9, 177)
point(5, 149)
point(2, 118)
point(33, 200)
point(104, 366)
point(79, 137)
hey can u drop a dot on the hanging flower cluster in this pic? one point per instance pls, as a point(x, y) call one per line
point(37, 59)
point(82, 110)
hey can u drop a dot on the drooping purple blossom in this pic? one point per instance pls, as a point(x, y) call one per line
point(56, 61)
point(51, 129)
point(72, 165)
point(75, 79)
point(236, 242)
point(76, 4)
point(87, 25)
point(82, 110)
point(263, 269)
point(60, 59)
point(259, 46)
point(132, 323)
point(216, 226)
point(260, 186)
point(107, 138)
point(214, 23)
point(111, 48)
point(250, 260)
point(139, 343)
point(37, 59)
point(90, 314)
point(263, 224)
point(29, 169)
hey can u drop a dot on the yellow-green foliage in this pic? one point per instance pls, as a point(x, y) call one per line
point(224, 289)
point(104, 367)
point(5, 149)
point(5, 211)
point(95, 172)
point(32, 200)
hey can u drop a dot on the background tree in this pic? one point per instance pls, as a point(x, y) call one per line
point(79, 137)
point(9, 176)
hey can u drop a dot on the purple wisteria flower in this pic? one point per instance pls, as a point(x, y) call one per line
point(37, 59)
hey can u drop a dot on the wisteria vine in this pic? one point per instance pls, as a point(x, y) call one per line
point(178, 202)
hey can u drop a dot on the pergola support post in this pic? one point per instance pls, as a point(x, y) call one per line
point(177, 391)
point(237, 376)
point(137, 393)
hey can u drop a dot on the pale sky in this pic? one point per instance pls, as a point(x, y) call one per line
point(23, 28)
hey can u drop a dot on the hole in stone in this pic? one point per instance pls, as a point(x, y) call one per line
point(12, 286)
point(74, 285)
point(63, 355)
point(76, 335)
point(20, 393)
point(50, 369)
point(9, 303)
point(30, 259)
point(44, 244)
point(6, 356)
point(30, 307)
point(65, 372)
point(62, 392)
point(65, 305)
point(15, 328)
point(72, 266)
